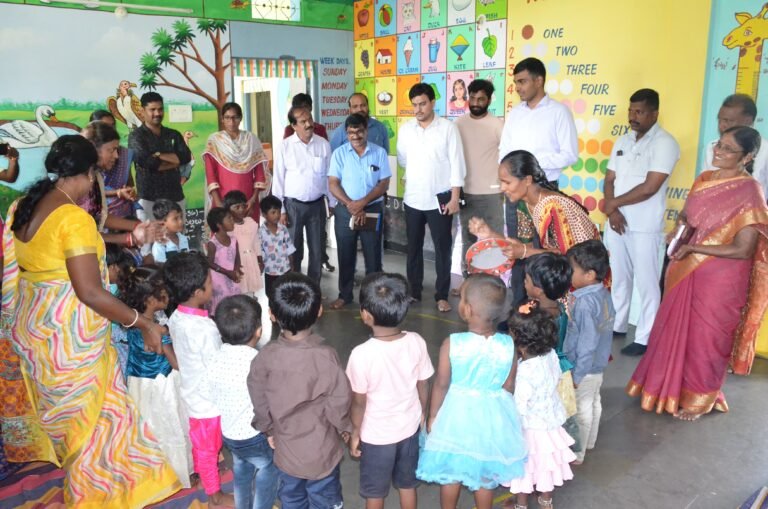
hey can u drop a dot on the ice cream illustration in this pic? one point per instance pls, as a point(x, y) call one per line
point(459, 45)
point(408, 50)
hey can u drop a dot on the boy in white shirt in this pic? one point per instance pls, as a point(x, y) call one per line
point(195, 340)
point(388, 374)
point(238, 318)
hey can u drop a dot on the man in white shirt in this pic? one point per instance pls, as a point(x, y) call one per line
point(429, 148)
point(740, 110)
point(300, 180)
point(543, 127)
point(635, 201)
point(480, 137)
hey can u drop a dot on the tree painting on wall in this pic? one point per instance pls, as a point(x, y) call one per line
point(180, 51)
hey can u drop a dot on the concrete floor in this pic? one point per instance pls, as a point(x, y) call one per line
point(641, 460)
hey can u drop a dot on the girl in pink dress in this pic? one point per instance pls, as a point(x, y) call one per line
point(249, 246)
point(223, 256)
point(541, 410)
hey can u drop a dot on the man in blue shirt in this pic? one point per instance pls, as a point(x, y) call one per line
point(377, 132)
point(358, 178)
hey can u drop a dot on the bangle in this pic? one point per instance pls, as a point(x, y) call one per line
point(525, 251)
point(135, 319)
point(129, 239)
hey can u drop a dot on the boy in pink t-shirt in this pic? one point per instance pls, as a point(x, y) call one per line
point(388, 374)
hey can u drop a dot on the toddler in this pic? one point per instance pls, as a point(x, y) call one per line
point(276, 244)
point(238, 318)
point(223, 256)
point(152, 382)
point(301, 399)
point(249, 246)
point(547, 281)
point(388, 374)
point(170, 213)
point(118, 262)
point(196, 339)
point(540, 408)
point(474, 435)
point(590, 333)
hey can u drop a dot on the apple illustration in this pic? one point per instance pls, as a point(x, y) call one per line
point(362, 17)
point(385, 15)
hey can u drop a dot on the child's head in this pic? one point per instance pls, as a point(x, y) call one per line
point(534, 331)
point(384, 299)
point(482, 296)
point(547, 274)
point(295, 302)
point(220, 218)
point(589, 260)
point(270, 208)
point(238, 318)
point(118, 262)
point(237, 203)
point(143, 289)
point(169, 212)
point(188, 279)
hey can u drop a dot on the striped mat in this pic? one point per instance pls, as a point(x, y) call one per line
point(40, 486)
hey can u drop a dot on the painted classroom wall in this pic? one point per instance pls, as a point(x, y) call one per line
point(74, 72)
point(595, 60)
point(330, 51)
point(314, 13)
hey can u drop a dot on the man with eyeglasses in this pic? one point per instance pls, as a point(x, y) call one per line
point(635, 201)
point(738, 110)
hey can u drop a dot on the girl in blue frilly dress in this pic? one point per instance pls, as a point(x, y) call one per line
point(474, 434)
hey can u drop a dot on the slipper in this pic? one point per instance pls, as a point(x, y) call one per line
point(443, 306)
point(337, 304)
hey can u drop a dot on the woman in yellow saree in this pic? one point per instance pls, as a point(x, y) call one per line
point(703, 324)
point(55, 299)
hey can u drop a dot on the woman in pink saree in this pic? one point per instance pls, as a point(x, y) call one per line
point(716, 289)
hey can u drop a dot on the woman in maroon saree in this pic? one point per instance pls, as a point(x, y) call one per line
point(697, 331)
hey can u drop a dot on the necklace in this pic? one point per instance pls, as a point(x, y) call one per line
point(387, 336)
point(67, 195)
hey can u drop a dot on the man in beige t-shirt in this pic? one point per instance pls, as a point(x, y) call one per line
point(480, 136)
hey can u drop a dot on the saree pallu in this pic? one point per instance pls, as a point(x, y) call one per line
point(697, 326)
point(90, 427)
point(115, 179)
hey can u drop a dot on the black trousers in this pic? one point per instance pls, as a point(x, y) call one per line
point(440, 228)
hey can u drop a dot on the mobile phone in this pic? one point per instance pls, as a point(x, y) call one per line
point(3, 149)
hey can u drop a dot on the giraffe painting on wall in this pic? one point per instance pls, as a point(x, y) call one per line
point(749, 37)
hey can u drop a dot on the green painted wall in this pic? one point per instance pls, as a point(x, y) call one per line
point(335, 14)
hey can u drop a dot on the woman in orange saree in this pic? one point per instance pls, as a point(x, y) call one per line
point(708, 284)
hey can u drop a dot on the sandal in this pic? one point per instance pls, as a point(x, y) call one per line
point(443, 306)
point(544, 503)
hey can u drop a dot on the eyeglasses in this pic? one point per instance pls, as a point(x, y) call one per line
point(230, 117)
point(725, 148)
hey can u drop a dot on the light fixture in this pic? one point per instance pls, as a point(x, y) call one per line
point(93, 4)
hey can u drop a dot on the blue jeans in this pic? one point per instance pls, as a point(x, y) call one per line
point(253, 456)
point(297, 493)
point(346, 240)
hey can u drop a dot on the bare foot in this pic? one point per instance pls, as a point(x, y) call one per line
point(455, 292)
point(577, 462)
point(685, 415)
point(220, 499)
point(443, 306)
point(194, 480)
point(337, 304)
point(509, 503)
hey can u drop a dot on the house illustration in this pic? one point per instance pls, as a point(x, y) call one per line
point(383, 56)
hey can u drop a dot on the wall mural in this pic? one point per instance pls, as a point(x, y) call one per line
point(108, 66)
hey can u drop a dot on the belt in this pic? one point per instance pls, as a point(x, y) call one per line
point(305, 202)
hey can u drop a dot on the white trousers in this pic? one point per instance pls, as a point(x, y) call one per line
point(589, 408)
point(635, 262)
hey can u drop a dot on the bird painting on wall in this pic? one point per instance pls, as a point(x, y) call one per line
point(186, 169)
point(21, 134)
point(126, 106)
